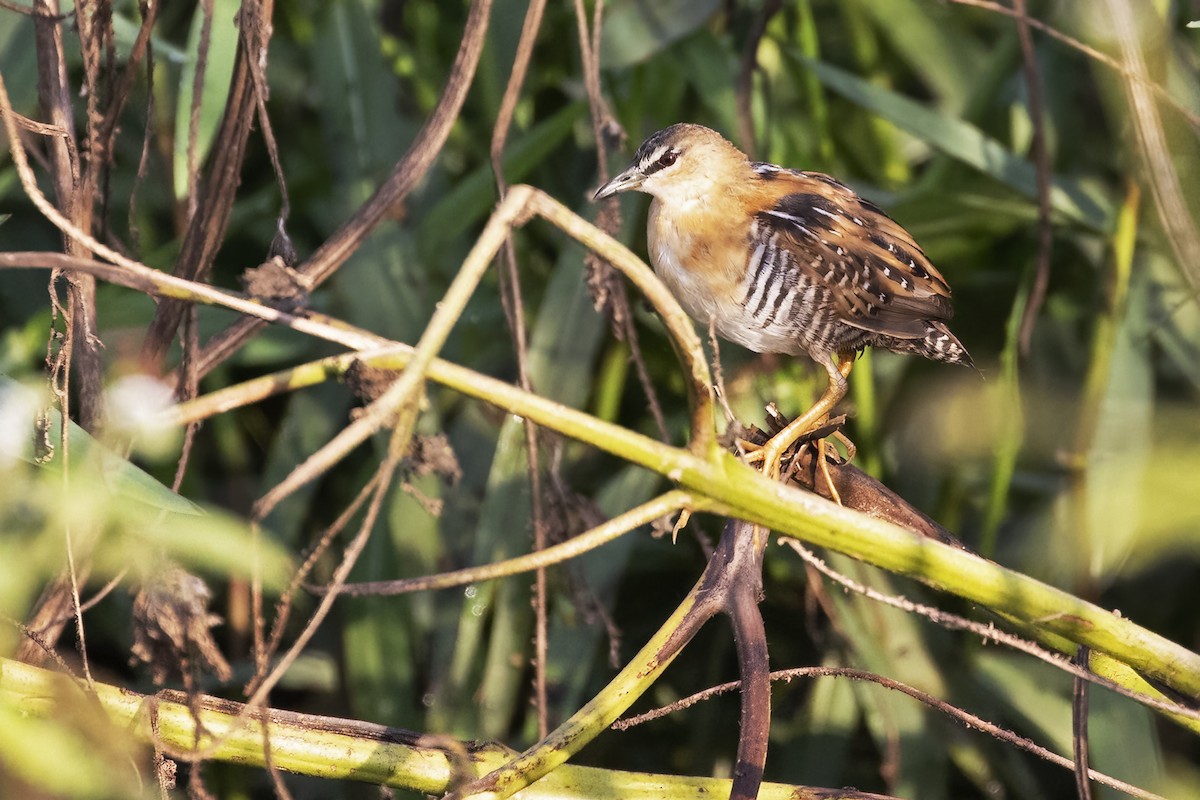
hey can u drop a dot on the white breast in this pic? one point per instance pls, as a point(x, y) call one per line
point(734, 321)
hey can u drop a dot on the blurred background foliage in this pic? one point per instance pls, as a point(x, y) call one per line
point(1077, 462)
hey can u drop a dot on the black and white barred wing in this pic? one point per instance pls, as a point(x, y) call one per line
point(823, 237)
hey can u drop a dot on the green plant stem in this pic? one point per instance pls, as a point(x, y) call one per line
point(746, 494)
point(338, 749)
point(679, 325)
point(1096, 385)
point(1106, 667)
point(603, 533)
point(734, 568)
point(741, 491)
point(401, 397)
point(1006, 398)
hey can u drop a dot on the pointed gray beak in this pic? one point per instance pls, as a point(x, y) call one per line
point(627, 180)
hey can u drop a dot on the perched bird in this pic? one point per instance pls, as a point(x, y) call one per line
point(783, 261)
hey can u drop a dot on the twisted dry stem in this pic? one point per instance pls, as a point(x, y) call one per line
point(731, 584)
point(405, 176)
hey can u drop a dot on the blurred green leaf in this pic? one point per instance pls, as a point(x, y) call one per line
point(594, 576)
point(1007, 410)
point(1121, 449)
point(139, 517)
point(917, 30)
point(562, 347)
point(1169, 516)
point(1123, 741)
point(1175, 318)
point(125, 479)
point(218, 69)
point(462, 703)
point(366, 125)
point(709, 66)
point(76, 753)
point(469, 201)
point(888, 641)
point(832, 714)
point(1035, 695)
point(310, 419)
point(125, 31)
point(634, 30)
point(378, 642)
point(17, 61)
point(968, 144)
point(383, 287)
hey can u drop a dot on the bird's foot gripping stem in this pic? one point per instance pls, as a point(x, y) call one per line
point(787, 442)
point(812, 426)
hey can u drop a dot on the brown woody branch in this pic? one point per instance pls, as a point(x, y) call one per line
point(405, 176)
point(216, 193)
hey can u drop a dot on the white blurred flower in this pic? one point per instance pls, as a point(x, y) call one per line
point(134, 406)
point(18, 409)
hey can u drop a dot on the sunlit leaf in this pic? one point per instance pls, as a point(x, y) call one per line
point(140, 519)
point(1170, 517)
point(1121, 448)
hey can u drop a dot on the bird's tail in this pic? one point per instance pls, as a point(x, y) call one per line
point(938, 344)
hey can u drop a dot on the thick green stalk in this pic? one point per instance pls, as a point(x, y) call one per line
point(339, 749)
point(748, 495)
point(744, 493)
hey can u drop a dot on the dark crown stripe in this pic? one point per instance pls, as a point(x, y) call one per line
point(653, 167)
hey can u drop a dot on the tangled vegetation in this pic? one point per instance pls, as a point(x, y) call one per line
point(325, 390)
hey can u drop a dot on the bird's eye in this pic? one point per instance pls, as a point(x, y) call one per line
point(667, 158)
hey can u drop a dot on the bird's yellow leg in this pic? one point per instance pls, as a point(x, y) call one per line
point(773, 450)
point(824, 466)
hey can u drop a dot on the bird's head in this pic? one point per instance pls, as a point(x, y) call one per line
point(679, 163)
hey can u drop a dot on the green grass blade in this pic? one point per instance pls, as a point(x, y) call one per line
point(968, 144)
